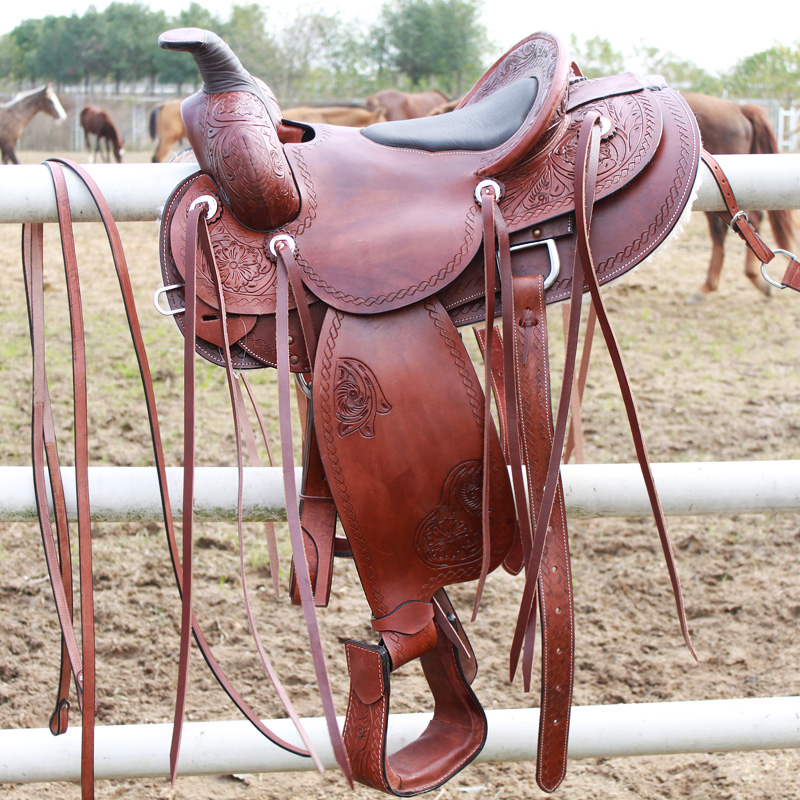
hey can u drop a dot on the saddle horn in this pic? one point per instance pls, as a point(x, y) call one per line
point(232, 126)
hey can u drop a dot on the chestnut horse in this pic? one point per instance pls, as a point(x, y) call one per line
point(728, 127)
point(17, 113)
point(166, 127)
point(349, 116)
point(97, 122)
point(405, 105)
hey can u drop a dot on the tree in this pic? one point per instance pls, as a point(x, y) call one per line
point(132, 37)
point(171, 67)
point(307, 49)
point(773, 73)
point(677, 72)
point(434, 39)
point(246, 33)
point(596, 57)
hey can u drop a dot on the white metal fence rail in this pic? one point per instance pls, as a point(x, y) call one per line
point(138, 192)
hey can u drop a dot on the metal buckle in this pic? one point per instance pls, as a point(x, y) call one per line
point(552, 252)
point(790, 256)
point(167, 312)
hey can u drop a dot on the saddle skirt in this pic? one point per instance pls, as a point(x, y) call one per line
point(353, 256)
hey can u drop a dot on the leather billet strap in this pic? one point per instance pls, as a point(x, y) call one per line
point(733, 215)
point(530, 352)
point(454, 736)
point(555, 582)
point(737, 219)
point(791, 277)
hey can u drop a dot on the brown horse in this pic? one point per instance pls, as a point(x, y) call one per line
point(728, 127)
point(17, 113)
point(405, 105)
point(444, 108)
point(349, 116)
point(97, 122)
point(166, 127)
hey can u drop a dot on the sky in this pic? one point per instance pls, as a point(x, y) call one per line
point(709, 34)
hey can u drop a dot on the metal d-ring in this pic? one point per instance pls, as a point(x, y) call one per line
point(276, 240)
point(552, 252)
point(790, 256)
point(302, 384)
point(210, 200)
point(484, 184)
point(167, 312)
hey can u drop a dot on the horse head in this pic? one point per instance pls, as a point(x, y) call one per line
point(52, 105)
point(233, 125)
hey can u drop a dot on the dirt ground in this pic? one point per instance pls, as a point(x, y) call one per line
point(716, 381)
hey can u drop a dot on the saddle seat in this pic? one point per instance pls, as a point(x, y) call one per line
point(483, 125)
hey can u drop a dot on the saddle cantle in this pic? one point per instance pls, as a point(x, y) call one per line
point(353, 256)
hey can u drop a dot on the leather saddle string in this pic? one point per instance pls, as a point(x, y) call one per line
point(239, 415)
point(187, 527)
point(584, 205)
point(255, 461)
point(586, 173)
point(509, 391)
point(199, 242)
point(285, 264)
point(126, 290)
point(44, 445)
point(488, 204)
point(85, 679)
point(575, 434)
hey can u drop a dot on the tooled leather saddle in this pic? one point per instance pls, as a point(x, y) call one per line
point(351, 258)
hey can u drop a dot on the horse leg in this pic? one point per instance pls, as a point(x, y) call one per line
point(161, 151)
point(717, 228)
point(9, 156)
point(752, 266)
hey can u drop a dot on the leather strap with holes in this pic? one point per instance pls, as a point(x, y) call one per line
point(734, 215)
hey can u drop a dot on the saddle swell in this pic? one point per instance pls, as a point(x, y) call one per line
point(357, 254)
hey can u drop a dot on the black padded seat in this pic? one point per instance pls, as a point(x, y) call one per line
point(480, 126)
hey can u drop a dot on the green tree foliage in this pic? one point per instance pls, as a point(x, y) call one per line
point(773, 73)
point(433, 41)
point(678, 73)
point(596, 57)
point(312, 56)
